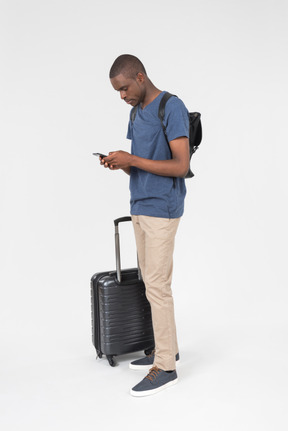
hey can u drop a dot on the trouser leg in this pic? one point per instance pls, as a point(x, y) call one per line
point(155, 245)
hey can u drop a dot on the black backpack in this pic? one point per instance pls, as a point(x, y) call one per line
point(195, 127)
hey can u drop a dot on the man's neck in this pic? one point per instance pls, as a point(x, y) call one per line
point(151, 93)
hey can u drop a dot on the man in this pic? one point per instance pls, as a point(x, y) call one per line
point(157, 187)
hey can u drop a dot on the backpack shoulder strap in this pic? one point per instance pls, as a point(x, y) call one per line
point(161, 110)
point(133, 113)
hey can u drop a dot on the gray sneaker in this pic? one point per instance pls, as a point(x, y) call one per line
point(154, 382)
point(147, 362)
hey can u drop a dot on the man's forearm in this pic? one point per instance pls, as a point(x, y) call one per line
point(168, 168)
point(177, 166)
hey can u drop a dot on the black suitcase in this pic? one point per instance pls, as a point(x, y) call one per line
point(121, 314)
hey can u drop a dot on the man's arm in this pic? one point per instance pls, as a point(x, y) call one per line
point(176, 167)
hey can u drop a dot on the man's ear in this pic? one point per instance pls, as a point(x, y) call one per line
point(140, 77)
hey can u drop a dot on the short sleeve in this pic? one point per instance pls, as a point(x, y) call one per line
point(176, 119)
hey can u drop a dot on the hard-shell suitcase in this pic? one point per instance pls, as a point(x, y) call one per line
point(121, 314)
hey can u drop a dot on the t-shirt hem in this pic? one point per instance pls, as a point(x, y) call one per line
point(157, 214)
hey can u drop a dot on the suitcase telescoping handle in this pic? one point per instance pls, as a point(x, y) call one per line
point(117, 248)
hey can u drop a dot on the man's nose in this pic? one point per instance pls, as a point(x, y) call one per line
point(122, 94)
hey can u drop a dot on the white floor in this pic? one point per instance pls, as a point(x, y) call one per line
point(230, 378)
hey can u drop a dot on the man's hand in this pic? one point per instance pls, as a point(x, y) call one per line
point(117, 160)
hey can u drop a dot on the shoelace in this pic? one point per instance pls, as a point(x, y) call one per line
point(153, 373)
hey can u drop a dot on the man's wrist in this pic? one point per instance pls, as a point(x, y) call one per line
point(132, 160)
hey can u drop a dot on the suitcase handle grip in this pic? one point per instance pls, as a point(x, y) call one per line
point(117, 249)
point(121, 219)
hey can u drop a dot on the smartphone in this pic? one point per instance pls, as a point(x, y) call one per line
point(99, 155)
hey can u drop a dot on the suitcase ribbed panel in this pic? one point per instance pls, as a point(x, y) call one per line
point(124, 316)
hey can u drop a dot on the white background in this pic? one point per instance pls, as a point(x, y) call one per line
point(226, 59)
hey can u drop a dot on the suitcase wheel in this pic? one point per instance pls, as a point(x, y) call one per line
point(111, 360)
point(148, 351)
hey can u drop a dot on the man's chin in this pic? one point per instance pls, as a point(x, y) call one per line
point(133, 103)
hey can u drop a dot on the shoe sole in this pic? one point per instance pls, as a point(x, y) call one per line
point(153, 391)
point(144, 367)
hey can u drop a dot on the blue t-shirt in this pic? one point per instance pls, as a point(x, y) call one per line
point(156, 195)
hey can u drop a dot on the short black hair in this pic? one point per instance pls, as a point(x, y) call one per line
point(128, 65)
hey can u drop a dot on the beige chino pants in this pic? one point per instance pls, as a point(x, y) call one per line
point(155, 245)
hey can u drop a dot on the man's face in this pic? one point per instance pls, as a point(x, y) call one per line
point(131, 90)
